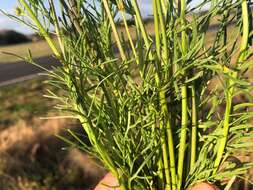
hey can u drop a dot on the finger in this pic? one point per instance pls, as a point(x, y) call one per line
point(109, 182)
point(203, 186)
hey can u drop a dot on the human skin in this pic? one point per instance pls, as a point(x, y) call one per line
point(109, 182)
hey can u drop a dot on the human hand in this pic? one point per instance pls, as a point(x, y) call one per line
point(109, 182)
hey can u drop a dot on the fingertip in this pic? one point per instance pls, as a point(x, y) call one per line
point(203, 186)
point(109, 182)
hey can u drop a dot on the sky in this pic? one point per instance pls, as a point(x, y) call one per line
point(9, 6)
point(6, 23)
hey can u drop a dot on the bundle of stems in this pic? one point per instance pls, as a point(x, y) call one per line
point(159, 111)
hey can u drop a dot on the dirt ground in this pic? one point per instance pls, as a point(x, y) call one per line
point(33, 158)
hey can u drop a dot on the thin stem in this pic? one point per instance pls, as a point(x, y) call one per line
point(170, 138)
point(245, 36)
point(122, 10)
point(159, 17)
point(231, 86)
point(165, 157)
point(165, 54)
point(140, 22)
point(163, 104)
point(183, 136)
point(57, 26)
point(114, 30)
point(157, 41)
point(101, 151)
point(171, 154)
point(194, 128)
point(184, 115)
point(41, 29)
point(157, 33)
point(87, 125)
point(182, 17)
point(74, 16)
point(164, 7)
point(160, 174)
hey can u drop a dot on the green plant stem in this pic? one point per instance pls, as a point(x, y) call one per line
point(114, 30)
point(87, 125)
point(165, 57)
point(164, 6)
point(157, 33)
point(74, 16)
point(245, 36)
point(101, 151)
point(182, 18)
point(183, 136)
point(127, 29)
point(129, 36)
point(157, 40)
point(165, 112)
point(163, 104)
point(57, 26)
point(231, 86)
point(194, 128)
point(165, 156)
point(184, 115)
point(171, 154)
point(158, 17)
point(141, 25)
point(120, 47)
point(165, 53)
point(160, 174)
point(41, 29)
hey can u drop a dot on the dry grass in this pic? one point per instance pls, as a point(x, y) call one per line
point(32, 158)
point(24, 102)
point(17, 105)
point(38, 49)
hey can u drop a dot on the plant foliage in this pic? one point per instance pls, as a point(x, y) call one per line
point(145, 102)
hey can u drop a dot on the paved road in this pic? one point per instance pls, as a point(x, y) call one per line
point(14, 72)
